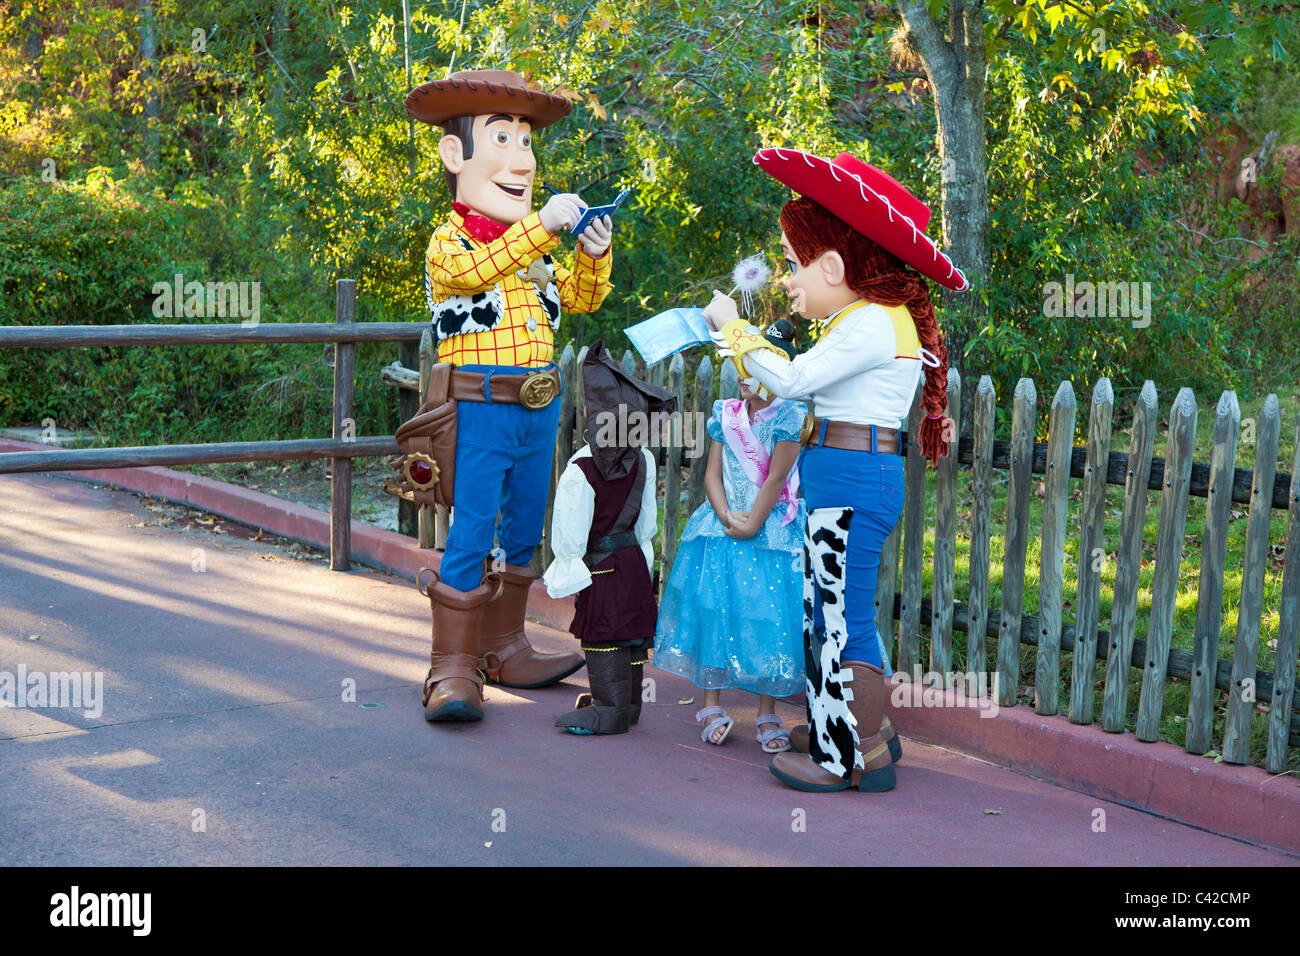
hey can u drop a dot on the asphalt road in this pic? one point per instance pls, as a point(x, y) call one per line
point(225, 736)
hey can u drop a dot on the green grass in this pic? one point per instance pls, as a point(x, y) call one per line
point(1176, 695)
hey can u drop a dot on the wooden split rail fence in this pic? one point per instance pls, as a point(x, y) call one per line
point(344, 332)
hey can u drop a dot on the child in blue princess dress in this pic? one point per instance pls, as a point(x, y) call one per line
point(731, 616)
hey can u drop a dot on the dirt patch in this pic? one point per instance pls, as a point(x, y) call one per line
point(178, 517)
point(308, 483)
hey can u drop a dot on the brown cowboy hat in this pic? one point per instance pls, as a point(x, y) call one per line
point(476, 92)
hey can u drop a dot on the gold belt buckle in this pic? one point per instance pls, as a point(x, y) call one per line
point(806, 432)
point(538, 390)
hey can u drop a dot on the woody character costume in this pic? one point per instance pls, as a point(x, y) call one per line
point(862, 269)
point(495, 294)
point(602, 532)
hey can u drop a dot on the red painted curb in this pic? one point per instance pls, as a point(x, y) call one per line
point(1243, 802)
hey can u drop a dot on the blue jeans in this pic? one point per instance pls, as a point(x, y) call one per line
point(871, 483)
point(503, 465)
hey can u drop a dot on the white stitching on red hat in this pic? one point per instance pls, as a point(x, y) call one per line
point(863, 189)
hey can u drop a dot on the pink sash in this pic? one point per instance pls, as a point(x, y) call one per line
point(754, 459)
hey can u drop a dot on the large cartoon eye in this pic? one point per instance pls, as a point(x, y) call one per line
point(792, 266)
point(525, 141)
point(501, 138)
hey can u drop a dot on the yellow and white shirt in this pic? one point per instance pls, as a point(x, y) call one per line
point(863, 370)
point(499, 302)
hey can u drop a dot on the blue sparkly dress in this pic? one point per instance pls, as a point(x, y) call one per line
point(732, 611)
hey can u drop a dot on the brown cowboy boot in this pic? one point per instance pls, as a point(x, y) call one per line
point(870, 694)
point(799, 739)
point(453, 688)
point(505, 655)
point(868, 708)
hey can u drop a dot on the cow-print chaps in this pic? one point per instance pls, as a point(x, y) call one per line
point(832, 738)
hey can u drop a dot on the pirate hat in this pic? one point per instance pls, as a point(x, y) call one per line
point(478, 92)
point(781, 334)
point(606, 387)
point(869, 200)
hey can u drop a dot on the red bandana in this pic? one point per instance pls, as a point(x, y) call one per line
point(480, 227)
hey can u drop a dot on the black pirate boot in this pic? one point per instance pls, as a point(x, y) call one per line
point(640, 657)
point(607, 709)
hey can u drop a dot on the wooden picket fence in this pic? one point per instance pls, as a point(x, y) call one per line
point(902, 605)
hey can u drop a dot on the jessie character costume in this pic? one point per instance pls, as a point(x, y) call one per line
point(861, 377)
point(495, 294)
point(602, 530)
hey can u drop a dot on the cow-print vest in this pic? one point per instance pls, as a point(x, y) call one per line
point(482, 311)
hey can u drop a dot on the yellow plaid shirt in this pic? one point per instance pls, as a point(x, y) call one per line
point(457, 264)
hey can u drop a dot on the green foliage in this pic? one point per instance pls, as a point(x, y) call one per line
point(90, 254)
point(287, 159)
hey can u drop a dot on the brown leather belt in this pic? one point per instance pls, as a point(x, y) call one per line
point(848, 436)
point(533, 390)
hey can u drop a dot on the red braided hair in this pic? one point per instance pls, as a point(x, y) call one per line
point(878, 276)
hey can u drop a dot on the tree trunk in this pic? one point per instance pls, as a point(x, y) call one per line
point(149, 71)
point(35, 54)
point(410, 120)
point(280, 44)
point(956, 70)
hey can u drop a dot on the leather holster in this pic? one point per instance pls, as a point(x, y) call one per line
point(428, 444)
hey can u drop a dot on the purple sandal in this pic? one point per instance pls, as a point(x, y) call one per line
point(722, 719)
point(778, 734)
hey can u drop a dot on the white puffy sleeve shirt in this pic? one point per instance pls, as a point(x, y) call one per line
point(854, 374)
point(575, 506)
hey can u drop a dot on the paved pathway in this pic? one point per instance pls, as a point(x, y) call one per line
point(223, 706)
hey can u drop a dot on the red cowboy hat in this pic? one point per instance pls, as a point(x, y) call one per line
point(869, 200)
point(476, 92)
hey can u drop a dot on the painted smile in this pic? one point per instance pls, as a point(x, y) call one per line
point(516, 192)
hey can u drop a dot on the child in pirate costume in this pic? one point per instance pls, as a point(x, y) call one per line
point(602, 532)
point(861, 270)
point(495, 295)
